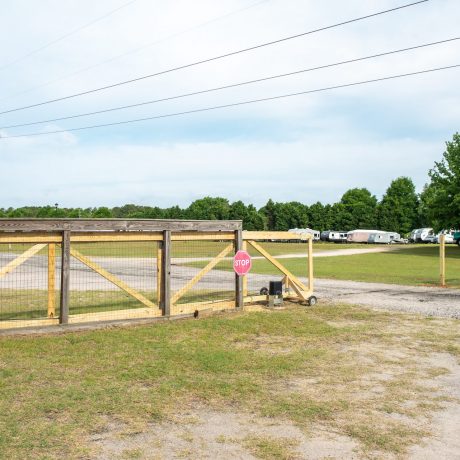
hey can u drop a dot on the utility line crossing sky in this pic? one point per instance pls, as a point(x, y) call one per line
point(306, 148)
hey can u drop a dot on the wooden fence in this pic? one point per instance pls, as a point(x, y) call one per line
point(58, 239)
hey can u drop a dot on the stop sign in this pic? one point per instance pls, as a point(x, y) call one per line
point(242, 263)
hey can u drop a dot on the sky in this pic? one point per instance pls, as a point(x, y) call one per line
point(308, 148)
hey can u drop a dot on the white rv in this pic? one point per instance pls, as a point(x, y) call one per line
point(309, 231)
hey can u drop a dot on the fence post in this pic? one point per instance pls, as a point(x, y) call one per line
point(310, 264)
point(65, 277)
point(166, 274)
point(51, 280)
point(160, 274)
point(442, 259)
point(239, 301)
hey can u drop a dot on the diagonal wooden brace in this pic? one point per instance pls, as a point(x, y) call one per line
point(113, 279)
point(21, 259)
point(200, 275)
point(293, 280)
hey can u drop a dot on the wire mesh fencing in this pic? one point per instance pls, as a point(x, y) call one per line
point(29, 281)
point(75, 277)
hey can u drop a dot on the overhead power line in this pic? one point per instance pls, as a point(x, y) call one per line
point(135, 50)
point(209, 90)
point(215, 58)
point(67, 35)
point(234, 104)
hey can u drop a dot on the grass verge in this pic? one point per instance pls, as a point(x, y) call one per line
point(308, 366)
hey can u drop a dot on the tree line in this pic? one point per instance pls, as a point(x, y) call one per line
point(401, 209)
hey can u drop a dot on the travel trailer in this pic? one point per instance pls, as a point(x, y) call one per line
point(373, 236)
point(301, 231)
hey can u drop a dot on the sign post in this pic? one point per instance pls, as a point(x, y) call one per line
point(242, 263)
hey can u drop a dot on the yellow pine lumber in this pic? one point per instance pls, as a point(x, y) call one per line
point(112, 278)
point(200, 275)
point(21, 259)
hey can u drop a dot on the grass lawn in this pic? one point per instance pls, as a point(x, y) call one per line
point(418, 265)
point(313, 368)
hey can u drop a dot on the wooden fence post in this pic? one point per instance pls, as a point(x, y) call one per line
point(310, 264)
point(245, 278)
point(65, 277)
point(166, 274)
point(442, 260)
point(239, 301)
point(51, 280)
point(160, 274)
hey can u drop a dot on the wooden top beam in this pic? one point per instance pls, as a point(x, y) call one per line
point(127, 225)
point(255, 236)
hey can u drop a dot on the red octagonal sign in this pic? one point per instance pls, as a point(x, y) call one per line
point(242, 263)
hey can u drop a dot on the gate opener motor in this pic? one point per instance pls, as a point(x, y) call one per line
point(275, 293)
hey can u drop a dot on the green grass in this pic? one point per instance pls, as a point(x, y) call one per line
point(57, 391)
point(416, 266)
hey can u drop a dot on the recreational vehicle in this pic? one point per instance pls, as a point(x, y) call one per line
point(338, 237)
point(302, 231)
point(373, 236)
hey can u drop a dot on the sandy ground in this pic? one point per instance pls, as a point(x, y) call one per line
point(199, 432)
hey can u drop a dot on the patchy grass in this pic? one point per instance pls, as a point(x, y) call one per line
point(347, 368)
point(270, 448)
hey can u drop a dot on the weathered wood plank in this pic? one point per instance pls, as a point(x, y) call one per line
point(278, 265)
point(51, 280)
point(288, 236)
point(200, 274)
point(56, 225)
point(112, 278)
point(65, 278)
point(21, 259)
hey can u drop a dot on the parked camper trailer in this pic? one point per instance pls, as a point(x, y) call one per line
point(373, 236)
point(385, 237)
point(359, 236)
point(338, 237)
point(310, 231)
point(324, 236)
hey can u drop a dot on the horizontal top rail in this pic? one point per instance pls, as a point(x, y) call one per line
point(286, 236)
point(127, 225)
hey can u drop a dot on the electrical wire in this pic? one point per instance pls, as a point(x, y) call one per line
point(215, 58)
point(134, 50)
point(219, 88)
point(234, 104)
point(67, 35)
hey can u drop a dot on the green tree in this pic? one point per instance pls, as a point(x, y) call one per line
point(398, 210)
point(209, 208)
point(359, 209)
point(441, 197)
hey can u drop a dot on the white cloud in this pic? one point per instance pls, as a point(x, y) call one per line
point(306, 148)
